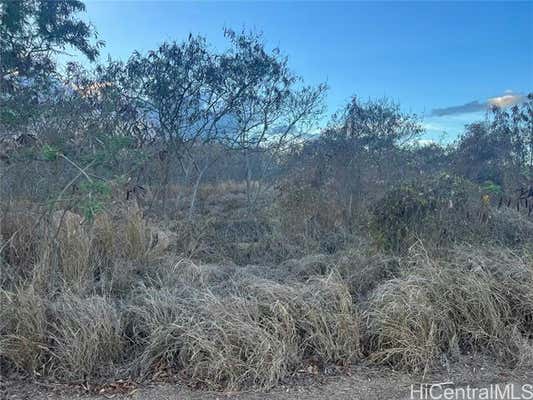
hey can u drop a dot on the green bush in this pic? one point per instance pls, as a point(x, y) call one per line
point(438, 210)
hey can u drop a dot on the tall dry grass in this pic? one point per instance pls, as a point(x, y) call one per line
point(85, 336)
point(470, 300)
point(120, 296)
point(23, 329)
point(247, 332)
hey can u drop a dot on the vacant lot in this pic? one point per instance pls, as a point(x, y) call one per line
point(111, 300)
point(190, 217)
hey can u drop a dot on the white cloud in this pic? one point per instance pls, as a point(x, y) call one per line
point(508, 99)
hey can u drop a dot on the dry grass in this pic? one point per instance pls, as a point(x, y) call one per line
point(20, 240)
point(248, 332)
point(23, 329)
point(137, 237)
point(233, 345)
point(365, 270)
point(70, 337)
point(90, 300)
point(237, 327)
point(85, 335)
point(154, 325)
point(470, 301)
point(72, 241)
point(323, 313)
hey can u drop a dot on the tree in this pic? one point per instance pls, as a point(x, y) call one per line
point(499, 150)
point(179, 89)
point(273, 110)
point(72, 128)
point(516, 123)
point(364, 143)
point(243, 99)
point(75, 127)
point(481, 154)
point(34, 32)
point(375, 125)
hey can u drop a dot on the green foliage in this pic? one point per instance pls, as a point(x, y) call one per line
point(492, 188)
point(32, 32)
point(98, 188)
point(113, 150)
point(8, 116)
point(420, 210)
point(50, 152)
point(93, 195)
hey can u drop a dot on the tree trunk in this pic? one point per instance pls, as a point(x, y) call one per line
point(195, 192)
point(248, 178)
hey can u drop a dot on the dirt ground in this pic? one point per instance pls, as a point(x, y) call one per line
point(359, 382)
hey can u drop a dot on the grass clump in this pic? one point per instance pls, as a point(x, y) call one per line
point(441, 307)
point(234, 345)
point(249, 332)
point(23, 329)
point(330, 322)
point(70, 338)
point(155, 324)
point(86, 337)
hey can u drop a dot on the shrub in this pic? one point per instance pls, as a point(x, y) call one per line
point(506, 227)
point(437, 210)
point(310, 215)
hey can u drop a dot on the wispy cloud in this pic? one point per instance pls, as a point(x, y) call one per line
point(509, 98)
point(471, 107)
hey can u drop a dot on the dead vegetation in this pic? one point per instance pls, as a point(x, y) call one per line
point(471, 300)
point(113, 298)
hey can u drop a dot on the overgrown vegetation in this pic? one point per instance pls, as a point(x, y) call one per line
point(171, 216)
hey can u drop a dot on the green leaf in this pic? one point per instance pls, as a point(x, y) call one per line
point(50, 153)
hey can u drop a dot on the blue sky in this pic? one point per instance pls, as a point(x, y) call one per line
point(425, 55)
